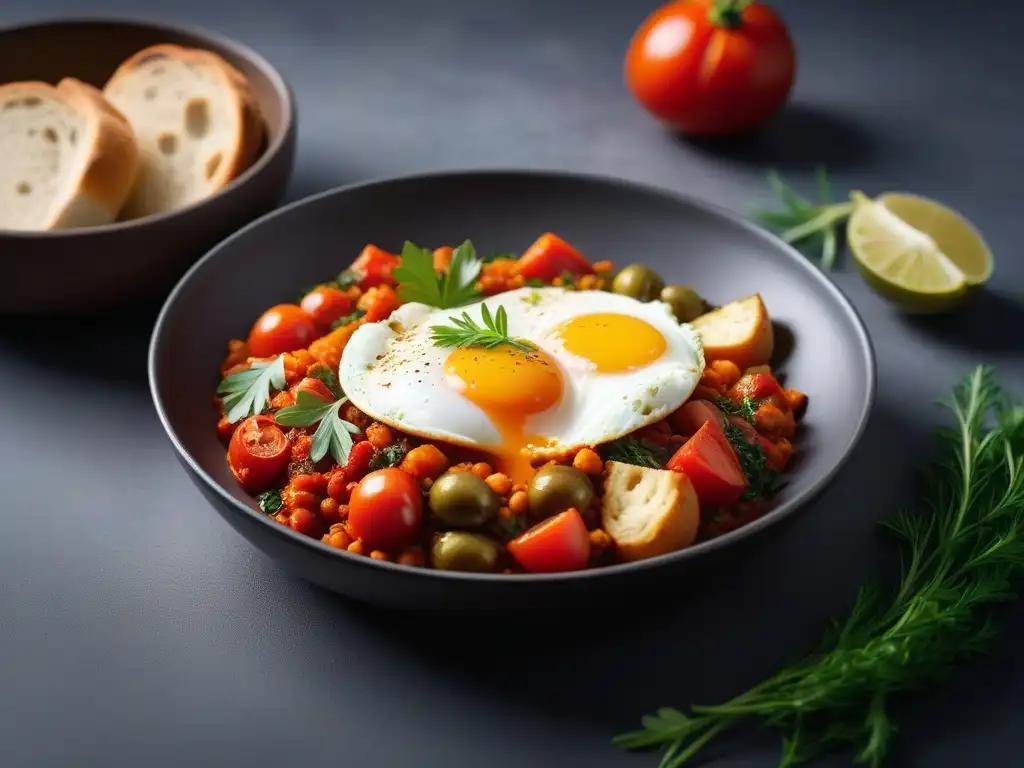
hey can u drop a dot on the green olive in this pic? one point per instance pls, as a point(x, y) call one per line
point(640, 282)
point(462, 499)
point(463, 551)
point(686, 303)
point(555, 488)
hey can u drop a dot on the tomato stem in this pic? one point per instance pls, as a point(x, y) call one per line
point(728, 13)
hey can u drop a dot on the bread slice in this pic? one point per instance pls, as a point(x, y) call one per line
point(67, 158)
point(740, 332)
point(197, 124)
point(648, 512)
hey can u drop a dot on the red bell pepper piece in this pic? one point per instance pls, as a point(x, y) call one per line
point(551, 256)
point(375, 267)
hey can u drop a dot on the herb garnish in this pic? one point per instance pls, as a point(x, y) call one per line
point(642, 453)
point(391, 456)
point(746, 409)
point(334, 433)
point(465, 332)
point(326, 375)
point(348, 319)
point(806, 224)
point(498, 256)
point(270, 501)
point(418, 281)
point(535, 282)
point(348, 278)
point(962, 550)
point(247, 392)
point(763, 482)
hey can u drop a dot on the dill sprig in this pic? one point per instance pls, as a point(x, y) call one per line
point(466, 332)
point(806, 224)
point(962, 551)
point(642, 453)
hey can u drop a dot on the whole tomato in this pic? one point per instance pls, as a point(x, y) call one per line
point(711, 67)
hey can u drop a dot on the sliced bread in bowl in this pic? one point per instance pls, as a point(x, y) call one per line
point(67, 158)
point(197, 125)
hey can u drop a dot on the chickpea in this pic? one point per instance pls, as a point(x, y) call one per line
point(379, 435)
point(588, 462)
point(519, 503)
point(500, 483)
point(482, 469)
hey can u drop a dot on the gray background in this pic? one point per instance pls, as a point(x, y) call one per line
point(136, 629)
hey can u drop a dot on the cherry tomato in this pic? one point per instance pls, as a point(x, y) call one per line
point(709, 462)
point(375, 266)
point(326, 304)
point(549, 257)
point(385, 509)
point(284, 328)
point(560, 543)
point(711, 67)
point(258, 453)
point(314, 387)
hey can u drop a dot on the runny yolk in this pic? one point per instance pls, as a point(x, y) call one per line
point(509, 385)
point(613, 343)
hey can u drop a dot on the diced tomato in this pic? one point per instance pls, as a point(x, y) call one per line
point(551, 256)
point(560, 543)
point(442, 258)
point(379, 302)
point(314, 387)
point(709, 462)
point(757, 386)
point(691, 416)
point(376, 266)
point(258, 453)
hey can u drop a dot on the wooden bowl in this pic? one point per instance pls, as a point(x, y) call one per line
point(92, 268)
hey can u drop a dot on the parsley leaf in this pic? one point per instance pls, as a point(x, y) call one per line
point(333, 435)
point(763, 481)
point(465, 332)
point(746, 409)
point(270, 501)
point(247, 392)
point(418, 281)
point(326, 375)
point(630, 450)
point(348, 319)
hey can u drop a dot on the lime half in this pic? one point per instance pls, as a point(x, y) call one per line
point(915, 252)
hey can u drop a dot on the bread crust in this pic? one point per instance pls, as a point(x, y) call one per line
point(250, 139)
point(109, 171)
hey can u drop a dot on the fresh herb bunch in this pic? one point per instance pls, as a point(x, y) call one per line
point(465, 332)
point(419, 281)
point(642, 453)
point(247, 393)
point(333, 434)
point(746, 409)
point(962, 551)
point(807, 225)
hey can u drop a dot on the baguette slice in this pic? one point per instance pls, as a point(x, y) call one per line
point(67, 158)
point(197, 124)
point(740, 332)
point(648, 512)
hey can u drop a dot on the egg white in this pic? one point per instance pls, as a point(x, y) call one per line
point(393, 372)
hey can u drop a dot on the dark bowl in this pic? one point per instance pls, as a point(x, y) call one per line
point(92, 268)
point(724, 256)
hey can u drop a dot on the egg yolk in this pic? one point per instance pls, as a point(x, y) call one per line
point(509, 385)
point(613, 343)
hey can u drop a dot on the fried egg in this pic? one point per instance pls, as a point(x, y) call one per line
point(604, 366)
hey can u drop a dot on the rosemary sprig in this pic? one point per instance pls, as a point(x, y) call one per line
point(465, 332)
point(962, 551)
point(805, 224)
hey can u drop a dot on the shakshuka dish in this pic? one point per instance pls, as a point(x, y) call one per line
point(507, 413)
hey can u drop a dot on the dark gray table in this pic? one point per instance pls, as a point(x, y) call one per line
point(136, 629)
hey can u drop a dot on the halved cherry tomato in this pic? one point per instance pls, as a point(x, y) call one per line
point(284, 328)
point(326, 304)
point(258, 453)
point(385, 509)
point(314, 387)
point(711, 67)
point(560, 543)
point(549, 257)
point(690, 417)
point(375, 265)
point(710, 463)
point(758, 386)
